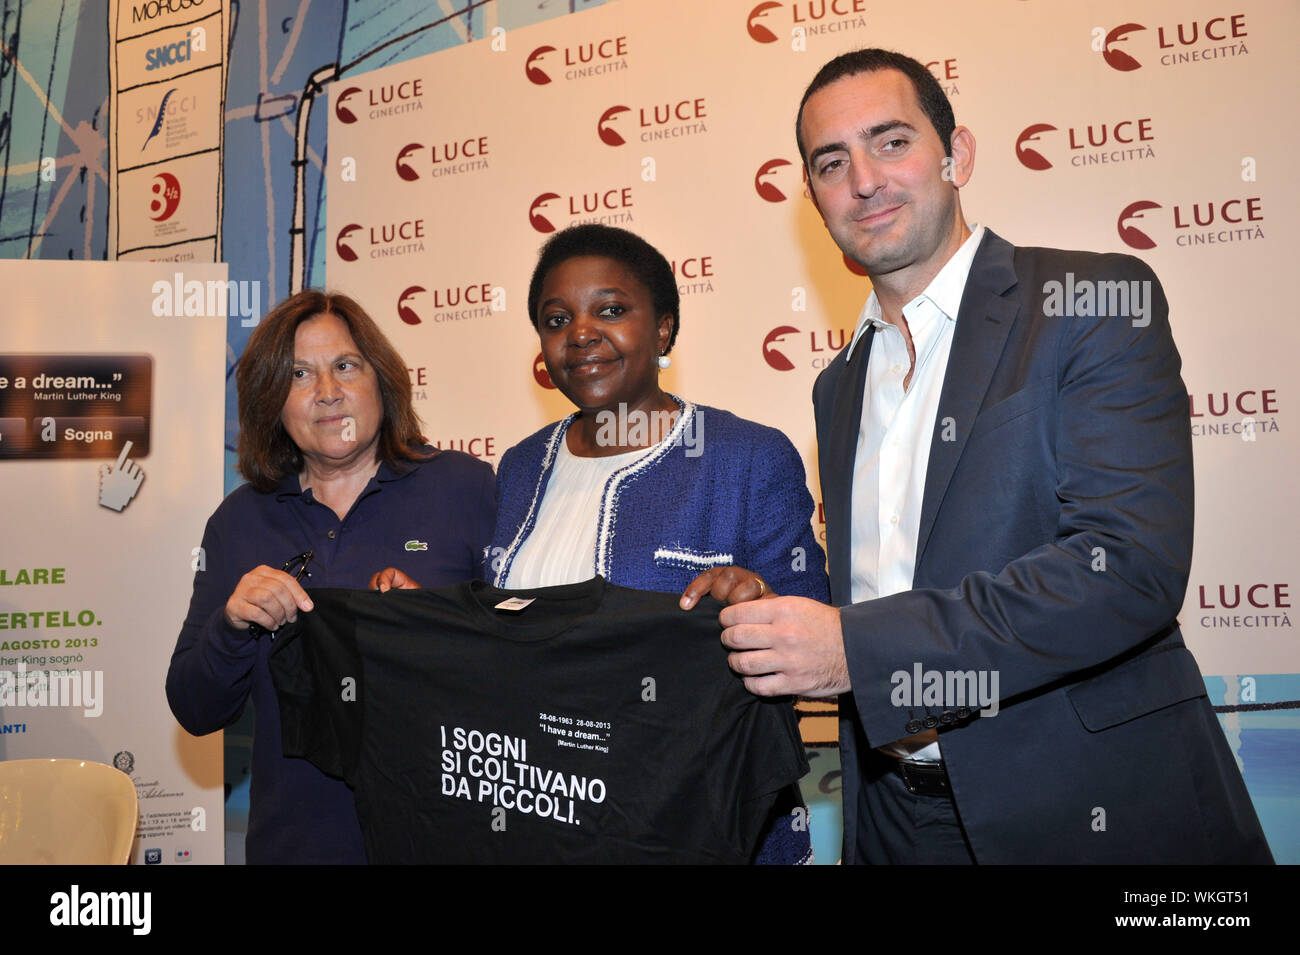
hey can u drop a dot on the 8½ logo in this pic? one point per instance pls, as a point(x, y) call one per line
point(166, 191)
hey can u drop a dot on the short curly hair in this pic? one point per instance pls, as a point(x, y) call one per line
point(646, 263)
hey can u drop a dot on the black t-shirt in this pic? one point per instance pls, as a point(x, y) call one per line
point(595, 724)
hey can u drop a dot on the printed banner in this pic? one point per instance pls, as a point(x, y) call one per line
point(167, 83)
point(109, 472)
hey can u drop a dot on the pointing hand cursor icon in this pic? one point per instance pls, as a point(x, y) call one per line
point(118, 482)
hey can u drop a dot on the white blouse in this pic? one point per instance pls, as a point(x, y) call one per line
point(562, 546)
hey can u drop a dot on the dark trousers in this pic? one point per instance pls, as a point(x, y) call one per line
point(896, 827)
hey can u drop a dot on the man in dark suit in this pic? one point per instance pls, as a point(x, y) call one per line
point(1006, 464)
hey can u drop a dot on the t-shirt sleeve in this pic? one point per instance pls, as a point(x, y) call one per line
point(318, 679)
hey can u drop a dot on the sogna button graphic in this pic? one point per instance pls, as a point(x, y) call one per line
point(579, 61)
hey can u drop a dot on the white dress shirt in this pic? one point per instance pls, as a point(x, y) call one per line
point(894, 435)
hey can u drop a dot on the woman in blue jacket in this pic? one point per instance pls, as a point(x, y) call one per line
point(642, 487)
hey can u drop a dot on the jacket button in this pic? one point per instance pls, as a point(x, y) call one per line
point(913, 726)
point(930, 722)
point(330, 535)
point(963, 712)
point(947, 716)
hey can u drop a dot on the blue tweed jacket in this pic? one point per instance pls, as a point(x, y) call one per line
point(720, 490)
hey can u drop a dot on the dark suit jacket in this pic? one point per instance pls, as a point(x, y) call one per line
point(1054, 546)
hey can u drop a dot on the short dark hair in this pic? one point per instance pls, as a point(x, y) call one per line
point(646, 263)
point(266, 452)
point(933, 100)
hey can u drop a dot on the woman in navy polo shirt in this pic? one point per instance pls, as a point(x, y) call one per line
point(340, 483)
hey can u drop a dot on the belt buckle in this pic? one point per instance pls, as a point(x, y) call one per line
point(924, 778)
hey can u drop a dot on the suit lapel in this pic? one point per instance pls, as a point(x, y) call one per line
point(988, 310)
point(841, 454)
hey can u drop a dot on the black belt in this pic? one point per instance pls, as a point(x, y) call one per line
point(923, 779)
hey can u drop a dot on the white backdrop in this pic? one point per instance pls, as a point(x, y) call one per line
point(676, 121)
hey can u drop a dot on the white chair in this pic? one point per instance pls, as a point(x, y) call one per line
point(65, 812)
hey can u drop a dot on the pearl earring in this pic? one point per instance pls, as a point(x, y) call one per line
point(665, 362)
